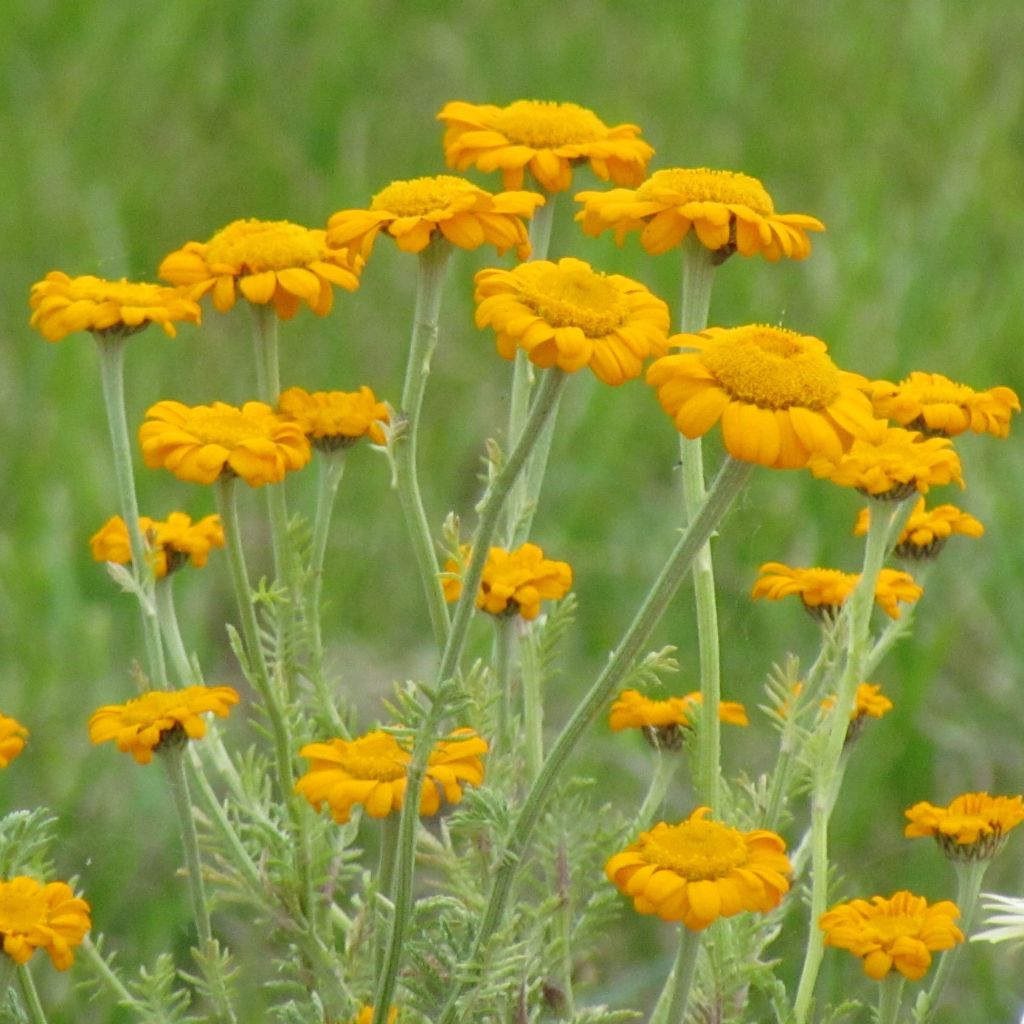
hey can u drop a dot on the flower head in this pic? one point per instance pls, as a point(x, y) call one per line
point(729, 212)
point(414, 212)
point(335, 419)
point(568, 315)
point(202, 442)
point(972, 827)
point(934, 404)
point(823, 591)
point(901, 932)
point(662, 721)
point(892, 466)
point(927, 530)
point(779, 396)
point(513, 582)
point(62, 305)
point(548, 139)
point(171, 543)
point(372, 770)
point(698, 871)
point(869, 702)
point(12, 739)
point(159, 718)
point(37, 916)
point(365, 1015)
point(264, 261)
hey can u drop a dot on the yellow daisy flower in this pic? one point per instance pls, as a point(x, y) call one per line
point(779, 396)
point(869, 702)
point(568, 315)
point(513, 582)
point(972, 827)
point(698, 871)
point(335, 419)
point(172, 542)
point(372, 770)
point(159, 717)
point(663, 721)
point(37, 916)
point(414, 212)
point(202, 442)
point(927, 530)
point(547, 139)
point(934, 404)
point(62, 305)
point(730, 213)
point(899, 932)
point(892, 466)
point(264, 261)
point(365, 1015)
point(12, 739)
point(823, 591)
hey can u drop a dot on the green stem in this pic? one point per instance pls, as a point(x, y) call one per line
point(169, 629)
point(533, 705)
point(664, 771)
point(730, 481)
point(890, 994)
point(695, 300)
point(563, 924)
point(103, 970)
point(28, 990)
point(504, 641)
point(490, 509)
point(264, 337)
point(433, 262)
point(541, 223)
point(672, 1003)
point(111, 350)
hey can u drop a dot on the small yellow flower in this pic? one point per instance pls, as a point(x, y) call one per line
point(662, 721)
point(513, 582)
point(372, 770)
point(265, 262)
point(901, 932)
point(869, 702)
point(934, 404)
point(202, 442)
point(730, 213)
point(12, 739)
point(780, 398)
point(414, 212)
point(698, 871)
point(172, 542)
point(892, 466)
point(548, 139)
point(927, 530)
point(972, 827)
point(823, 591)
point(568, 315)
point(36, 916)
point(159, 717)
point(62, 305)
point(365, 1015)
point(335, 419)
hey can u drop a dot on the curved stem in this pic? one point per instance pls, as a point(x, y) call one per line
point(28, 990)
point(664, 771)
point(727, 486)
point(168, 619)
point(672, 1003)
point(111, 350)
point(533, 705)
point(504, 642)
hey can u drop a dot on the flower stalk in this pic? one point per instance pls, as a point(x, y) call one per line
point(31, 996)
point(675, 996)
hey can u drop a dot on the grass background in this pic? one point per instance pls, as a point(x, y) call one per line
point(130, 129)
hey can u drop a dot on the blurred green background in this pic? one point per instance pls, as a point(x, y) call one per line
point(129, 129)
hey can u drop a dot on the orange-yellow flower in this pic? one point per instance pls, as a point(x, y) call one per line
point(780, 398)
point(729, 212)
point(698, 871)
point(513, 582)
point(62, 305)
point(568, 315)
point(202, 442)
point(336, 419)
point(892, 466)
point(12, 739)
point(934, 404)
point(372, 770)
point(265, 262)
point(159, 717)
point(414, 212)
point(899, 932)
point(972, 827)
point(823, 591)
point(37, 916)
point(662, 721)
point(927, 530)
point(547, 139)
point(365, 1015)
point(171, 542)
